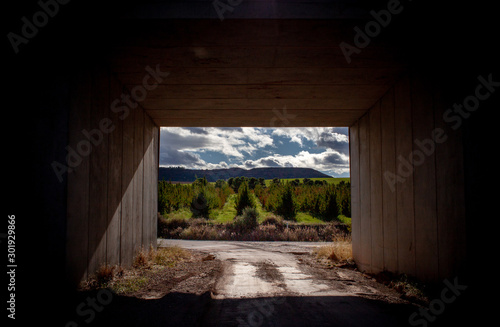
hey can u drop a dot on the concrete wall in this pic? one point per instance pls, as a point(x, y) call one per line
point(408, 185)
point(112, 180)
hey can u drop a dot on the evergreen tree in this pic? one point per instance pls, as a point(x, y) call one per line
point(252, 183)
point(220, 183)
point(243, 199)
point(199, 205)
point(332, 209)
point(307, 181)
point(287, 207)
point(201, 181)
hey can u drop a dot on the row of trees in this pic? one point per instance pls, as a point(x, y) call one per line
point(322, 200)
point(325, 201)
point(200, 196)
point(235, 182)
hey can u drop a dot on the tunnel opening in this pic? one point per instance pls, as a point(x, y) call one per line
point(288, 173)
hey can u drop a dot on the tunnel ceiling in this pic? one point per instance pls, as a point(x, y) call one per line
point(252, 72)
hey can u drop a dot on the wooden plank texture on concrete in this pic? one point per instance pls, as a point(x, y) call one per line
point(138, 180)
point(450, 192)
point(388, 141)
point(78, 180)
point(354, 146)
point(376, 200)
point(404, 187)
point(98, 187)
point(365, 258)
point(127, 225)
point(115, 144)
point(424, 180)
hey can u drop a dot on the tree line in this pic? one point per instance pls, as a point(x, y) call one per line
point(284, 198)
point(321, 200)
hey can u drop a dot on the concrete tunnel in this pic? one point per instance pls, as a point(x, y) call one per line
point(99, 94)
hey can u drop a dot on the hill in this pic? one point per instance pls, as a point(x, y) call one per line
point(177, 174)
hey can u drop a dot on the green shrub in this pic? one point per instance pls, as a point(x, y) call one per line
point(273, 220)
point(199, 205)
point(286, 207)
point(247, 220)
point(243, 199)
point(332, 209)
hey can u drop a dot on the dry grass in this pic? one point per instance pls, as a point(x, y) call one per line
point(145, 262)
point(141, 259)
point(168, 256)
point(105, 274)
point(340, 251)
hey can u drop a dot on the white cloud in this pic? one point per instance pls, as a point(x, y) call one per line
point(180, 146)
point(183, 146)
point(330, 160)
point(326, 137)
point(231, 142)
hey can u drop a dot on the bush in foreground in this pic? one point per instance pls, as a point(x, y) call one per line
point(245, 228)
point(247, 220)
point(272, 219)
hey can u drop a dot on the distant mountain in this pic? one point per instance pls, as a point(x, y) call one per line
point(189, 175)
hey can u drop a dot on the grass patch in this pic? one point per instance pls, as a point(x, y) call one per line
point(262, 212)
point(130, 285)
point(339, 252)
point(183, 213)
point(227, 213)
point(305, 218)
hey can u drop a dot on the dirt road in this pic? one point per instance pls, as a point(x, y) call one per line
point(280, 284)
point(246, 284)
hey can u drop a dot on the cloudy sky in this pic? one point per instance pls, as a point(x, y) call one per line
point(323, 148)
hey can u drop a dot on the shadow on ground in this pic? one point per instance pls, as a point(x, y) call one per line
point(184, 309)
